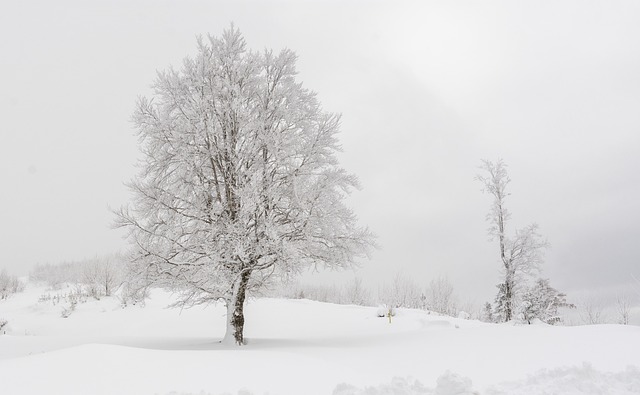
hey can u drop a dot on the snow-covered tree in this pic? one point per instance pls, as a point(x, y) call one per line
point(440, 297)
point(501, 305)
point(623, 308)
point(240, 181)
point(401, 291)
point(542, 301)
point(486, 314)
point(521, 255)
point(103, 275)
point(9, 284)
point(357, 293)
point(591, 311)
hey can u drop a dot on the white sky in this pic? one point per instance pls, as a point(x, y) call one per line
point(426, 90)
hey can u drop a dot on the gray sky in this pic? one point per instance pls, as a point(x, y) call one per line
point(426, 89)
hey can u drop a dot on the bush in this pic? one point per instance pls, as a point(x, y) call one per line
point(541, 301)
point(9, 285)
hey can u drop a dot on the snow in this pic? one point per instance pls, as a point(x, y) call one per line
point(300, 347)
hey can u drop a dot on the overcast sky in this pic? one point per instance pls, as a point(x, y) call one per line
point(427, 89)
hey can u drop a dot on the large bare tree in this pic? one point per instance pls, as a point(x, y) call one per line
point(521, 255)
point(239, 181)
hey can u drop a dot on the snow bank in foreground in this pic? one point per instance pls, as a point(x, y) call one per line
point(399, 386)
point(582, 380)
point(447, 384)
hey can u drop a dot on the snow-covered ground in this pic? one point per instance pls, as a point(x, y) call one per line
point(300, 347)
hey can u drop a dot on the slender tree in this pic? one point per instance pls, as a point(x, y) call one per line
point(522, 255)
point(592, 311)
point(239, 181)
point(623, 307)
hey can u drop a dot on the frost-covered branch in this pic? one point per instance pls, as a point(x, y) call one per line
point(240, 181)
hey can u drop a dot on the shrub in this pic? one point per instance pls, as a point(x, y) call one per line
point(9, 285)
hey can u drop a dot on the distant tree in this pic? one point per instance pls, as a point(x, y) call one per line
point(57, 275)
point(103, 275)
point(357, 293)
point(623, 308)
point(400, 292)
point(240, 181)
point(90, 273)
point(542, 301)
point(592, 312)
point(487, 313)
point(522, 255)
point(440, 297)
point(9, 285)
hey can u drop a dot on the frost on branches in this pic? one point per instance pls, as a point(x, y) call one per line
point(542, 301)
point(521, 255)
point(239, 182)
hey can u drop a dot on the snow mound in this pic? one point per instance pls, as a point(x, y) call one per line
point(398, 386)
point(439, 324)
point(241, 392)
point(447, 384)
point(454, 384)
point(584, 380)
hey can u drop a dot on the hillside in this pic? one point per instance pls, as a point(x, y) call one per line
point(299, 347)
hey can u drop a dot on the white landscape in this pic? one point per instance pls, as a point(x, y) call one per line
point(300, 347)
point(310, 197)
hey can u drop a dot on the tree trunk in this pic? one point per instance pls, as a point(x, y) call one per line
point(235, 311)
point(508, 295)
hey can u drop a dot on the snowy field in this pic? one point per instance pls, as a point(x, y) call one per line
point(300, 347)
